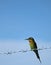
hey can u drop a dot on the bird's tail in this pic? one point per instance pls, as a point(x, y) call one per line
point(36, 52)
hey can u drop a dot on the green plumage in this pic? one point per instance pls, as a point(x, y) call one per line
point(33, 45)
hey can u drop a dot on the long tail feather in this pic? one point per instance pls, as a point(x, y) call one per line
point(36, 52)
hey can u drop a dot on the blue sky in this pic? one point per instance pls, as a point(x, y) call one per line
point(20, 19)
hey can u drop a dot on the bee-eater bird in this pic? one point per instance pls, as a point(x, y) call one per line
point(33, 46)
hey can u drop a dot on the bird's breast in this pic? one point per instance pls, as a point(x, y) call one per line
point(32, 46)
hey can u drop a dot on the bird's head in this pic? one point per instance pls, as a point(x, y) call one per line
point(30, 39)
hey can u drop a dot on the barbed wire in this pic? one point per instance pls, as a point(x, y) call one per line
point(23, 51)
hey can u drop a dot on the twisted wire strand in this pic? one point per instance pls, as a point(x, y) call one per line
point(14, 52)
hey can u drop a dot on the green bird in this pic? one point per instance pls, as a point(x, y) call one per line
point(33, 46)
